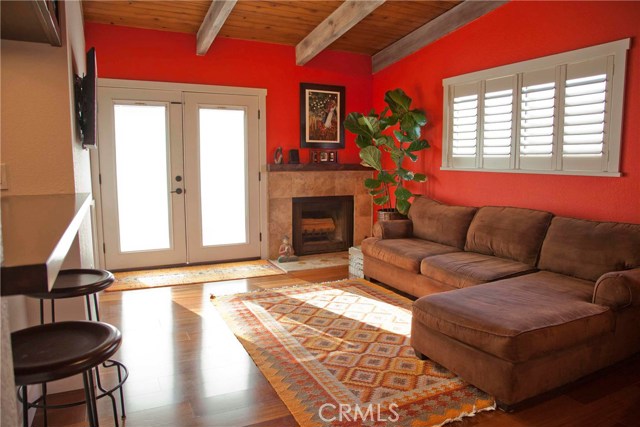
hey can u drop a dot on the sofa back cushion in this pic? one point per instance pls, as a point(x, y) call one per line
point(588, 249)
point(506, 232)
point(440, 223)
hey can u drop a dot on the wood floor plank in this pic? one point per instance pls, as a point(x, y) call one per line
point(187, 369)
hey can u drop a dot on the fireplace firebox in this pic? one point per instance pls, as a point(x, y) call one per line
point(322, 224)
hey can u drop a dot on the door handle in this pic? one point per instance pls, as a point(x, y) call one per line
point(177, 191)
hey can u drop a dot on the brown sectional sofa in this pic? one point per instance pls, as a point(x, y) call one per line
point(515, 301)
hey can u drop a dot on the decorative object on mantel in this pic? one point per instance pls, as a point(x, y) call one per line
point(321, 116)
point(323, 156)
point(285, 252)
point(405, 142)
point(277, 156)
point(294, 157)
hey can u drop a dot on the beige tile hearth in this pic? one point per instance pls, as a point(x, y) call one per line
point(284, 186)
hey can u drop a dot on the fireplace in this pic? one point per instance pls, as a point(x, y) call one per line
point(322, 224)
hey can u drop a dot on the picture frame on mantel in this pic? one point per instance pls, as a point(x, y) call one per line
point(322, 116)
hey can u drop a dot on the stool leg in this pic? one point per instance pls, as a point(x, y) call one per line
point(53, 310)
point(95, 303)
point(90, 397)
point(42, 312)
point(44, 403)
point(89, 315)
point(124, 414)
point(25, 407)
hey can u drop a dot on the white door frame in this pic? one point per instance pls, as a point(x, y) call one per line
point(187, 87)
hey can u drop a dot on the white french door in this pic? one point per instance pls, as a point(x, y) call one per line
point(222, 168)
point(179, 177)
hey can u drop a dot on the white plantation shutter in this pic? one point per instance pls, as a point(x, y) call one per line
point(558, 114)
point(464, 146)
point(585, 115)
point(537, 119)
point(498, 124)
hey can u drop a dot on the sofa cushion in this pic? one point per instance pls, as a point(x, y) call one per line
point(506, 232)
point(518, 319)
point(462, 269)
point(403, 253)
point(588, 249)
point(440, 223)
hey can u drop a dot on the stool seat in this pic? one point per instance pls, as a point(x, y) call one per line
point(53, 351)
point(77, 282)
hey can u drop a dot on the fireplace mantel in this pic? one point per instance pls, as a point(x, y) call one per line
point(316, 167)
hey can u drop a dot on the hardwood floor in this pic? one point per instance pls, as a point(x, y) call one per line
point(187, 369)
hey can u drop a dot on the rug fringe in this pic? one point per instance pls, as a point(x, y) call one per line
point(474, 411)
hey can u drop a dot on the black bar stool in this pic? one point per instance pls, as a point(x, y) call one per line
point(59, 350)
point(77, 283)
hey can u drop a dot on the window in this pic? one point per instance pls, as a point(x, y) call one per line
point(560, 114)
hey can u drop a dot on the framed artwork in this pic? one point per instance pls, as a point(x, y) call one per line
point(321, 116)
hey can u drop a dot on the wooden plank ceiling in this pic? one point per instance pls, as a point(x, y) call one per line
point(278, 21)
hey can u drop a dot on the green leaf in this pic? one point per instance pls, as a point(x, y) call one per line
point(385, 122)
point(397, 155)
point(405, 174)
point(400, 136)
point(366, 121)
point(398, 101)
point(410, 155)
point(372, 183)
point(410, 126)
point(419, 117)
point(352, 124)
point(377, 192)
point(385, 140)
point(402, 194)
point(403, 206)
point(371, 157)
point(419, 177)
point(363, 141)
point(421, 144)
point(387, 178)
point(381, 200)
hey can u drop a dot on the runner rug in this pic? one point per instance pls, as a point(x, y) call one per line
point(339, 354)
point(143, 279)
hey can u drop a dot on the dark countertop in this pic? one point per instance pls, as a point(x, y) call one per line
point(37, 232)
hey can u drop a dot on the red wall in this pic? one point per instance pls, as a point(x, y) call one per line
point(130, 53)
point(515, 32)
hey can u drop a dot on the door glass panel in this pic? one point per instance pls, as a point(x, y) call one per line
point(142, 177)
point(222, 176)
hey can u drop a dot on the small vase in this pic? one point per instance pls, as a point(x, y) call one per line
point(389, 214)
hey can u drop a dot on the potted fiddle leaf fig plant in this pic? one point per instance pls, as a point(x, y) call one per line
point(376, 142)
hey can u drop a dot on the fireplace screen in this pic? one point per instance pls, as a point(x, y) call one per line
point(322, 224)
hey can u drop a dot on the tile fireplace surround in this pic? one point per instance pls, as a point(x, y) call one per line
point(285, 185)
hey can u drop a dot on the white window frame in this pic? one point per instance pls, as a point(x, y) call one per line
point(615, 54)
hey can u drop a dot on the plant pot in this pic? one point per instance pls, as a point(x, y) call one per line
point(388, 214)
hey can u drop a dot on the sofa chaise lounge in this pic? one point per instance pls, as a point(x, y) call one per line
point(515, 301)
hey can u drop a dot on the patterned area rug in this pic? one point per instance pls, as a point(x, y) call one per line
point(188, 275)
point(339, 354)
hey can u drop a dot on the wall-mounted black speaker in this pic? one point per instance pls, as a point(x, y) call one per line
point(294, 157)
